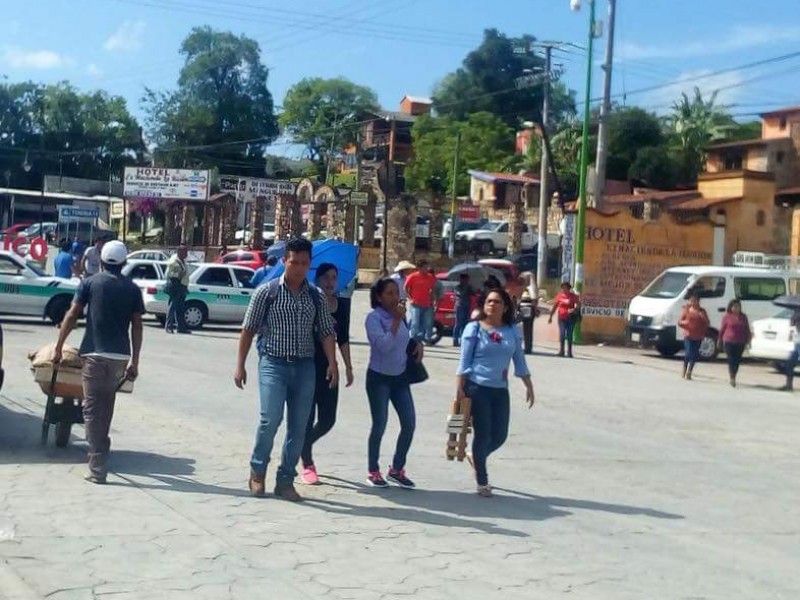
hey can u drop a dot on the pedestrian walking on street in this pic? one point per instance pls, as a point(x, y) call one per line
point(177, 288)
point(263, 273)
point(694, 322)
point(463, 293)
point(64, 263)
point(568, 306)
point(734, 336)
point(488, 346)
point(421, 290)
point(389, 336)
point(91, 263)
point(326, 398)
point(286, 313)
point(401, 272)
point(114, 307)
point(794, 356)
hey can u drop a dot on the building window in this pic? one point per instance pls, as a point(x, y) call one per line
point(779, 156)
point(761, 218)
point(783, 123)
point(733, 162)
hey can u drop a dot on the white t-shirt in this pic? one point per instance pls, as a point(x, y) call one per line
point(92, 258)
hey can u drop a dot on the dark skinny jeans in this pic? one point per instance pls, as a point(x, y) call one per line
point(382, 389)
point(326, 401)
point(691, 353)
point(566, 327)
point(734, 353)
point(491, 409)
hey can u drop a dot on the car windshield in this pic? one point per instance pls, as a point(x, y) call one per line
point(490, 225)
point(33, 266)
point(667, 285)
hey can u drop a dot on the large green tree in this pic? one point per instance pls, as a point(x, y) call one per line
point(487, 144)
point(630, 130)
point(221, 113)
point(62, 130)
point(486, 82)
point(324, 115)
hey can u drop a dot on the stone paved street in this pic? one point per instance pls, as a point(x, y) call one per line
point(624, 482)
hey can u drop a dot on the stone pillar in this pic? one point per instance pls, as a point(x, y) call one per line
point(368, 237)
point(436, 225)
point(169, 224)
point(350, 228)
point(282, 209)
point(215, 217)
point(337, 220)
point(314, 221)
point(257, 223)
point(187, 224)
point(295, 218)
point(228, 223)
point(516, 217)
point(400, 231)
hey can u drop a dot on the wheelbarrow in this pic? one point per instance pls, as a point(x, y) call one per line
point(64, 408)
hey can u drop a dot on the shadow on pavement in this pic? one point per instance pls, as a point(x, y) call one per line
point(20, 432)
point(172, 473)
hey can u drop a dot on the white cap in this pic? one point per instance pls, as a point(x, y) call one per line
point(114, 253)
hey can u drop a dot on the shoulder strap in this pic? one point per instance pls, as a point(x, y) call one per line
point(273, 286)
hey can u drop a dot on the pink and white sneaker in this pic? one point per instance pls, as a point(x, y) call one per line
point(310, 476)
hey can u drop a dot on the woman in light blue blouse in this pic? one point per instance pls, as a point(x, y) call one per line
point(488, 346)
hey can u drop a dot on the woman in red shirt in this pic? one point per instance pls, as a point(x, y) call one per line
point(694, 322)
point(568, 305)
point(734, 335)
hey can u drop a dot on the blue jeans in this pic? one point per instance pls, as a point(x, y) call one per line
point(421, 323)
point(462, 318)
point(791, 362)
point(691, 352)
point(491, 409)
point(283, 383)
point(381, 389)
point(566, 327)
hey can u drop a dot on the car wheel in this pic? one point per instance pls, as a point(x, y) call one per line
point(57, 309)
point(708, 347)
point(485, 247)
point(195, 315)
point(668, 351)
point(63, 430)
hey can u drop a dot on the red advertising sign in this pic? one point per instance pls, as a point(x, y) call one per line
point(470, 214)
point(37, 248)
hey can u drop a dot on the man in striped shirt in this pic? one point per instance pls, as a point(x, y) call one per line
point(286, 317)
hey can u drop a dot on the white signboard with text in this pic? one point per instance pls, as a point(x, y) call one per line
point(567, 246)
point(152, 182)
point(249, 189)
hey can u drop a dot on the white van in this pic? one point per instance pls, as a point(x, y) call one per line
point(653, 314)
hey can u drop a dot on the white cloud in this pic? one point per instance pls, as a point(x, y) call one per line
point(17, 58)
point(127, 38)
point(93, 70)
point(740, 37)
point(730, 85)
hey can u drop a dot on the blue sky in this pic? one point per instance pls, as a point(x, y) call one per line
point(404, 47)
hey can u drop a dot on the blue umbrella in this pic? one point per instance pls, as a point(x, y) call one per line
point(344, 256)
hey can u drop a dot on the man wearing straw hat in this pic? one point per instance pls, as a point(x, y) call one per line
point(403, 269)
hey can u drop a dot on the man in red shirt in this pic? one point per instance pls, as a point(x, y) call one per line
point(420, 289)
point(568, 305)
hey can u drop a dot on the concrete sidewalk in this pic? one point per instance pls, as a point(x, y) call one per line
point(623, 483)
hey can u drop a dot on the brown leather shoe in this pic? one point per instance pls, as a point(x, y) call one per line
point(287, 492)
point(256, 485)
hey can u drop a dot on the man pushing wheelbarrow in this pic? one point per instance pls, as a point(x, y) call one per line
point(114, 307)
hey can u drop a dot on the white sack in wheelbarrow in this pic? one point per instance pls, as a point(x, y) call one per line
point(69, 381)
point(43, 357)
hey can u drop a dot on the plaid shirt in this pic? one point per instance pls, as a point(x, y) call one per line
point(289, 325)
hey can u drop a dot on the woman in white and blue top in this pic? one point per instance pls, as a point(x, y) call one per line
point(488, 346)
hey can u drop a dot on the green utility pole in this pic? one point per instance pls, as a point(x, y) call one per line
point(581, 225)
point(454, 200)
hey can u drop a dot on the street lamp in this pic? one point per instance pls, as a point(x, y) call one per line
point(575, 5)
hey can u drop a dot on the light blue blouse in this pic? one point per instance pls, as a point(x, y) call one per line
point(487, 353)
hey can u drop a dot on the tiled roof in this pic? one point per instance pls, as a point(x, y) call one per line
point(781, 111)
point(417, 99)
point(653, 196)
point(792, 191)
point(738, 144)
point(503, 177)
point(702, 203)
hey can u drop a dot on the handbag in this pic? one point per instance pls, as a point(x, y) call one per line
point(415, 371)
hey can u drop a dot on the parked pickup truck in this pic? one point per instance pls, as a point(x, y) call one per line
point(492, 236)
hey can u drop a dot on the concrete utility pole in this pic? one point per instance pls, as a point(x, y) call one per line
point(454, 200)
point(544, 195)
point(605, 109)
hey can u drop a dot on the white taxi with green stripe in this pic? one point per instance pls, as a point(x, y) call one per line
point(25, 290)
point(218, 293)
